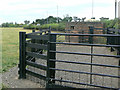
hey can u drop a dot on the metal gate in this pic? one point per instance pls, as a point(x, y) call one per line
point(64, 72)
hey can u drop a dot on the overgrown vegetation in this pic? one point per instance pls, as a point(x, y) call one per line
point(114, 23)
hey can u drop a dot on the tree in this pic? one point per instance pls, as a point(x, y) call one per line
point(75, 18)
point(26, 22)
point(103, 18)
point(51, 19)
point(33, 22)
point(67, 18)
point(5, 24)
point(40, 21)
point(83, 19)
point(11, 24)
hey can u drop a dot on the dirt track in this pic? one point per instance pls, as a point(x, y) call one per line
point(11, 78)
point(84, 78)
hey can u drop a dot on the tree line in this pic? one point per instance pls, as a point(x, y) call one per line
point(11, 24)
point(59, 23)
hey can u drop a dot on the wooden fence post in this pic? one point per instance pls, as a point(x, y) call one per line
point(51, 64)
point(22, 57)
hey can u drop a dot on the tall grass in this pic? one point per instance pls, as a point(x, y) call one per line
point(10, 47)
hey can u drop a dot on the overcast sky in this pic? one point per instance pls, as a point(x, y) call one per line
point(20, 10)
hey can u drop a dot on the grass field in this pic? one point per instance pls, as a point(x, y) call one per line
point(10, 47)
point(9, 41)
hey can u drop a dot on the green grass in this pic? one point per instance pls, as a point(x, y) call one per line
point(10, 47)
point(60, 38)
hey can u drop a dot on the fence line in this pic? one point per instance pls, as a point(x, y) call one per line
point(45, 40)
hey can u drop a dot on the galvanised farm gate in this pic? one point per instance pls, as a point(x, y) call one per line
point(45, 46)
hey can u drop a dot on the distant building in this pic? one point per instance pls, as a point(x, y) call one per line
point(119, 9)
point(81, 28)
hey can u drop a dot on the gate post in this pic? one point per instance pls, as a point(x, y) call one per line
point(107, 43)
point(103, 31)
point(22, 57)
point(41, 42)
point(91, 31)
point(118, 53)
point(51, 64)
point(79, 38)
point(33, 49)
point(83, 37)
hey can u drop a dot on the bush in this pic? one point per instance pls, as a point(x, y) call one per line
point(112, 23)
point(54, 26)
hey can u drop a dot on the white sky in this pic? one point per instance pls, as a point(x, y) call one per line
point(20, 10)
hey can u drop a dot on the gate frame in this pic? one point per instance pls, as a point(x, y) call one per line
point(50, 55)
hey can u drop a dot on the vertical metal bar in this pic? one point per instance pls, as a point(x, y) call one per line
point(83, 36)
point(91, 31)
point(115, 9)
point(118, 53)
point(112, 39)
point(41, 42)
point(103, 31)
point(107, 37)
point(22, 57)
point(69, 37)
point(33, 49)
point(79, 41)
point(119, 69)
point(51, 55)
point(48, 62)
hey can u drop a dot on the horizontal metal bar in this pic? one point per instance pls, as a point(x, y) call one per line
point(40, 66)
point(35, 74)
point(100, 28)
point(62, 86)
point(38, 46)
point(39, 37)
point(85, 73)
point(82, 83)
point(117, 56)
point(42, 31)
point(101, 35)
point(28, 40)
point(29, 58)
point(36, 55)
point(85, 63)
point(86, 44)
point(111, 29)
point(34, 33)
